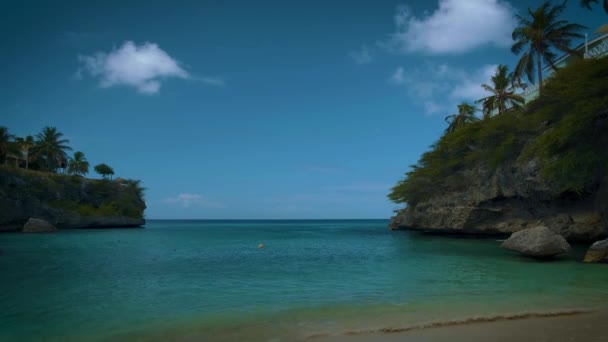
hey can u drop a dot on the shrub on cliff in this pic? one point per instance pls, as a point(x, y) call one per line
point(104, 170)
point(564, 129)
point(44, 192)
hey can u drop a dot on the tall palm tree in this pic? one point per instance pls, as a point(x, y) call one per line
point(587, 3)
point(503, 93)
point(6, 143)
point(466, 114)
point(539, 35)
point(51, 147)
point(25, 144)
point(78, 165)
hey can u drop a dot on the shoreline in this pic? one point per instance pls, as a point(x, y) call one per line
point(560, 325)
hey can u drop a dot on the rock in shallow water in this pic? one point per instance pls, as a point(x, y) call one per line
point(598, 252)
point(537, 242)
point(34, 225)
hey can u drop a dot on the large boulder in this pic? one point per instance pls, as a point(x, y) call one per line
point(537, 242)
point(598, 252)
point(34, 225)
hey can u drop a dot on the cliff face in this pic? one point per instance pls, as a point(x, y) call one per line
point(511, 198)
point(68, 201)
point(545, 163)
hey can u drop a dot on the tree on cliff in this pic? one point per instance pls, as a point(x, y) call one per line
point(587, 3)
point(539, 36)
point(6, 144)
point(104, 170)
point(466, 114)
point(78, 165)
point(503, 93)
point(25, 144)
point(51, 148)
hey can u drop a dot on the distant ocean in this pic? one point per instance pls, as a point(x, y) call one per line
point(208, 280)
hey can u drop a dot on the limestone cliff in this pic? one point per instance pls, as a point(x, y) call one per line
point(511, 198)
point(545, 163)
point(68, 201)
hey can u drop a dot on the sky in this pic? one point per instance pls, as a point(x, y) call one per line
point(254, 109)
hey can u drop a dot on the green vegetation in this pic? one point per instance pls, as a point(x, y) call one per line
point(78, 165)
point(34, 171)
point(564, 130)
point(587, 3)
point(104, 170)
point(539, 35)
point(503, 90)
point(50, 148)
point(46, 152)
point(466, 114)
point(72, 195)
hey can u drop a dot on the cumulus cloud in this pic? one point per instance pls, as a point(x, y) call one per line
point(469, 85)
point(187, 200)
point(456, 26)
point(361, 56)
point(142, 67)
point(439, 87)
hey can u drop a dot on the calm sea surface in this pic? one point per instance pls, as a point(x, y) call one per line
point(209, 280)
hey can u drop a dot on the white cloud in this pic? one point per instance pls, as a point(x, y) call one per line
point(439, 87)
point(361, 56)
point(142, 67)
point(186, 200)
point(469, 86)
point(398, 76)
point(456, 26)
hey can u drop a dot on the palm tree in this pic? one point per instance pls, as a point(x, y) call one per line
point(539, 36)
point(587, 3)
point(6, 143)
point(78, 164)
point(503, 93)
point(51, 147)
point(466, 114)
point(25, 145)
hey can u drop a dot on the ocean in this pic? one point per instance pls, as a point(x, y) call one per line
point(209, 280)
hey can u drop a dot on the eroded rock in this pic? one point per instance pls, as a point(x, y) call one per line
point(537, 242)
point(34, 225)
point(598, 252)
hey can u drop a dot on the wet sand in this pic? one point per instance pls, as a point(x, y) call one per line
point(569, 326)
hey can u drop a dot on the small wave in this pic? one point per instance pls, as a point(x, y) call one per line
point(463, 321)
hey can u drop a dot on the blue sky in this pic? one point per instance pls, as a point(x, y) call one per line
point(265, 109)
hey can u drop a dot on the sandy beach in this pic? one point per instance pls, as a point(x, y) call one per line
point(566, 326)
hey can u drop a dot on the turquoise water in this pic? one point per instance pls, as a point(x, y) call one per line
point(209, 280)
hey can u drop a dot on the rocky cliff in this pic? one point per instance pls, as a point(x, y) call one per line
point(509, 199)
point(546, 163)
point(68, 201)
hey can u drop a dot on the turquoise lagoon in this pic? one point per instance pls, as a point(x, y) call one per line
point(208, 280)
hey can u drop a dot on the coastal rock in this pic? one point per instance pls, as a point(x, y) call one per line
point(598, 252)
point(67, 201)
point(34, 225)
point(538, 242)
point(505, 200)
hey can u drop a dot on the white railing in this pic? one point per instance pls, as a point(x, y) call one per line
point(598, 50)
